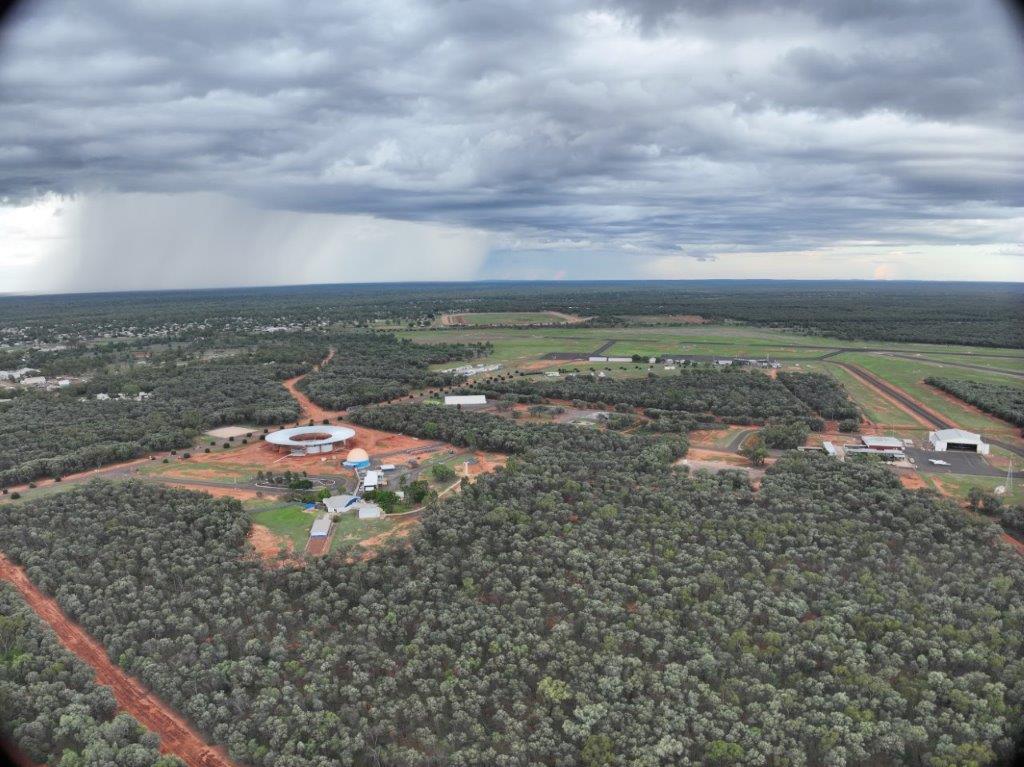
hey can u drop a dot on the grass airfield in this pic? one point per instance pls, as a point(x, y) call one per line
point(524, 349)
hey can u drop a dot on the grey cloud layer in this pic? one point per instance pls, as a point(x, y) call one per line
point(632, 126)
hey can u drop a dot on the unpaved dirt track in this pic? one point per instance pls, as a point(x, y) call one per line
point(176, 737)
point(310, 410)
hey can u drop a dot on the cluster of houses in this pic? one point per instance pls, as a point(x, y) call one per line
point(468, 371)
point(29, 377)
point(355, 503)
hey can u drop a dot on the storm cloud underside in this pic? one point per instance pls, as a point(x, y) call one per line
point(571, 139)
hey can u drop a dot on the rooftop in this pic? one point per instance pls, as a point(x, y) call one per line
point(881, 442)
point(957, 435)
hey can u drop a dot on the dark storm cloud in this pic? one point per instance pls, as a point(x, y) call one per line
point(640, 125)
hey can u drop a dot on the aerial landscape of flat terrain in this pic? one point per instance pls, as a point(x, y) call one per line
point(307, 526)
point(493, 383)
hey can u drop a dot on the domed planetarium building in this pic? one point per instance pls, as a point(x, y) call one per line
point(358, 459)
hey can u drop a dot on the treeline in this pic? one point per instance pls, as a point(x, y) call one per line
point(586, 605)
point(371, 367)
point(822, 393)
point(973, 314)
point(1002, 401)
point(57, 433)
point(51, 706)
point(731, 395)
point(482, 431)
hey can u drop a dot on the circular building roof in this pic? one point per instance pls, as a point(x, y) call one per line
point(357, 454)
point(308, 436)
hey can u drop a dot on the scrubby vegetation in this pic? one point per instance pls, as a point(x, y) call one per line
point(729, 394)
point(376, 367)
point(973, 314)
point(55, 433)
point(1002, 401)
point(163, 400)
point(586, 605)
point(785, 435)
point(822, 393)
point(51, 706)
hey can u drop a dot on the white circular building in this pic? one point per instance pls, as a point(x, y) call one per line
point(309, 440)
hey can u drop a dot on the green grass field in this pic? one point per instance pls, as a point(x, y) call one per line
point(515, 346)
point(875, 407)
point(288, 520)
point(959, 484)
point(349, 530)
point(35, 493)
point(909, 374)
point(208, 471)
point(996, 363)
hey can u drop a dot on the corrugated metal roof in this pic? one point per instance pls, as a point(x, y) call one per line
point(465, 399)
point(957, 435)
point(884, 442)
point(321, 526)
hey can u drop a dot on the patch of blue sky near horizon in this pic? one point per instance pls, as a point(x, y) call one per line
point(1001, 260)
point(104, 242)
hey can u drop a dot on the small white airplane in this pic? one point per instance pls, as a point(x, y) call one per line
point(938, 462)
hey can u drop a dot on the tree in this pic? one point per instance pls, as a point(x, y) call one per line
point(754, 451)
point(442, 472)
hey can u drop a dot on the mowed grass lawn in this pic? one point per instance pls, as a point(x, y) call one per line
point(349, 530)
point(289, 520)
point(875, 407)
point(909, 375)
point(1009, 364)
point(208, 471)
point(958, 486)
point(515, 346)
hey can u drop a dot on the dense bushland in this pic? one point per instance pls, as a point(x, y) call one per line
point(822, 393)
point(55, 433)
point(586, 605)
point(1002, 401)
point(51, 706)
point(379, 367)
point(940, 313)
point(729, 394)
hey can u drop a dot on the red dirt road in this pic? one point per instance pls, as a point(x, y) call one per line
point(309, 408)
point(176, 737)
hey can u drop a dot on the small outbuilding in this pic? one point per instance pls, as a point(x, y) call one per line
point(370, 511)
point(465, 400)
point(321, 527)
point(881, 443)
point(373, 480)
point(957, 439)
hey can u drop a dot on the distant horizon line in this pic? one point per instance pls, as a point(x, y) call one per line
point(499, 281)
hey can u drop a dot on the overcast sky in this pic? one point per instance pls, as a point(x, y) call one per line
point(194, 143)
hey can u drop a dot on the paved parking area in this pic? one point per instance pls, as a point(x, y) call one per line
point(959, 463)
